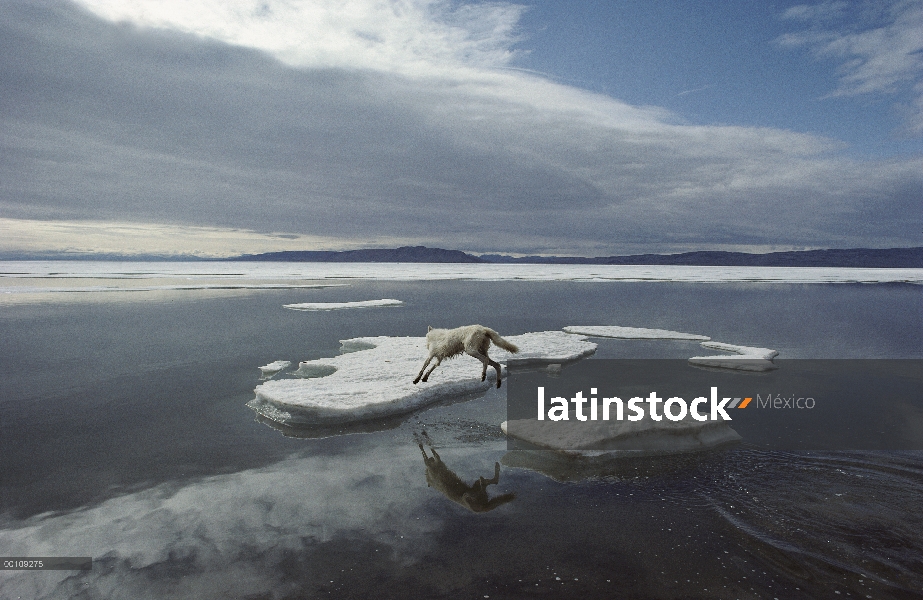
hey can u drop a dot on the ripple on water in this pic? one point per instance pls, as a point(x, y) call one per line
point(851, 519)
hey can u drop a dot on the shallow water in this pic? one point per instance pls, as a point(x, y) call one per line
point(125, 436)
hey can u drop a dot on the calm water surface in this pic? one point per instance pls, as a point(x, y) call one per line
point(125, 436)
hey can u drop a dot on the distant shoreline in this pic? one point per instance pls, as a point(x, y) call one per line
point(854, 258)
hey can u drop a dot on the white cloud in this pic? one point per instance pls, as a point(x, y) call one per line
point(814, 12)
point(31, 235)
point(881, 56)
point(410, 37)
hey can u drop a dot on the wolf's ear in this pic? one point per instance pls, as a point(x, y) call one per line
point(429, 328)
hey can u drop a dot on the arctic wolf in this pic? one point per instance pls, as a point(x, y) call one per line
point(473, 497)
point(473, 340)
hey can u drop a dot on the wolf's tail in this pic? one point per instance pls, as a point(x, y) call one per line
point(502, 343)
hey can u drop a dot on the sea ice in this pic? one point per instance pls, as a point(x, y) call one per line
point(454, 271)
point(632, 333)
point(167, 288)
point(342, 305)
point(747, 358)
point(374, 378)
point(646, 437)
point(274, 367)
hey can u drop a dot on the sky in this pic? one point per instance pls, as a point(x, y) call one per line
point(223, 127)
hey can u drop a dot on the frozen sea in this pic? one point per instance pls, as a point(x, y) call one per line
point(126, 436)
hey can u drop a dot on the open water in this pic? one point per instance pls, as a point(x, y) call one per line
point(125, 436)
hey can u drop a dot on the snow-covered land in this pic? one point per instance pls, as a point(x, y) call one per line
point(632, 333)
point(374, 378)
point(746, 358)
point(342, 305)
point(617, 438)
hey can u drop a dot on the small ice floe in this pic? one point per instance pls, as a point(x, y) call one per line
point(343, 305)
point(274, 367)
point(646, 437)
point(747, 358)
point(633, 333)
point(544, 347)
point(374, 379)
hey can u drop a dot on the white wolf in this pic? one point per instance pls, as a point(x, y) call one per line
point(473, 340)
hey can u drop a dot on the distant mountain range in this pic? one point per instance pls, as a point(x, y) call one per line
point(857, 257)
point(410, 254)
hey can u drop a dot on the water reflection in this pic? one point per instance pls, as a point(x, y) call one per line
point(614, 467)
point(474, 497)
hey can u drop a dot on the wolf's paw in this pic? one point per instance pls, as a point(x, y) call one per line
point(498, 383)
point(483, 377)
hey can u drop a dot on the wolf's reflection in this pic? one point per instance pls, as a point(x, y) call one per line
point(474, 496)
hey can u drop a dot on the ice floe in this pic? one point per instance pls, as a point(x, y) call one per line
point(374, 378)
point(274, 367)
point(632, 333)
point(646, 437)
point(746, 358)
point(343, 305)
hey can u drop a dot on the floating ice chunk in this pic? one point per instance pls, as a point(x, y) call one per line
point(274, 367)
point(342, 305)
point(747, 358)
point(646, 437)
point(377, 380)
point(632, 333)
point(544, 347)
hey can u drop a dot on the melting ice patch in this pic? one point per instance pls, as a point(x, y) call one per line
point(746, 358)
point(376, 380)
point(342, 305)
point(632, 333)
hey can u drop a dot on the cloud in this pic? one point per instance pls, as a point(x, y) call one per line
point(880, 52)
point(816, 12)
point(226, 116)
point(86, 236)
point(410, 37)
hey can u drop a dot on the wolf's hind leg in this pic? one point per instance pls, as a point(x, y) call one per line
point(433, 368)
point(485, 360)
point(420, 374)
